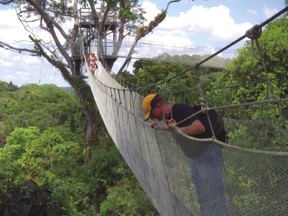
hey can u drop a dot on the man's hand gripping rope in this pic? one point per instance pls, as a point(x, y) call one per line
point(170, 123)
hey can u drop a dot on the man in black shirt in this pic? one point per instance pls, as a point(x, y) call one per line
point(206, 159)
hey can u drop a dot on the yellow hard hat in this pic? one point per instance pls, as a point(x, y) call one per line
point(149, 103)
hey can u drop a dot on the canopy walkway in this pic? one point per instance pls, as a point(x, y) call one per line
point(256, 180)
point(148, 50)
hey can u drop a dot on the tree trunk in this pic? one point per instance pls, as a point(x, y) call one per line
point(88, 108)
point(95, 208)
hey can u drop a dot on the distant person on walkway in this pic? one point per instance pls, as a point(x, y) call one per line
point(92, 62)
point(206, 159)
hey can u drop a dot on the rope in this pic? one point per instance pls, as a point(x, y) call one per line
point(269, 85)
point(252, 103)
point(271, 153)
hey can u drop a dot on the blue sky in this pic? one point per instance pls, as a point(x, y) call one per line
point(216, 22)
point(241, 10)
point(206, 23)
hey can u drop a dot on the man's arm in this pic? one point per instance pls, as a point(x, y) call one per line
point(195, 128)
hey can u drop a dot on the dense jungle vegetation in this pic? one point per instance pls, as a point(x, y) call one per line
point(43, 156)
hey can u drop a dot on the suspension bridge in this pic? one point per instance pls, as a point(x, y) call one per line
point(256, 180)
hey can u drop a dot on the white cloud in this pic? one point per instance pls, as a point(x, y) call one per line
point(211, 25)
point(214, 22)
point(4, 63)
point(14, 32)
point(7, 77)
point(151, 10)
point(11, 31)
point(181, 34)
point(269, 11)
point(31, 60)
point(21, 73)
point(23, 68)
point(252, 11)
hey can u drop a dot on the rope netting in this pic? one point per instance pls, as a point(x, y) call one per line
point(254, 171)
point(255, 180)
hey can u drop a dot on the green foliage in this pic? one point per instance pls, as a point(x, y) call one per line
point(261, 126)
point(49, 159)
point(248, 185)
point(60, 10)
point(129, 12)
point(184, 88)
point(6, 92)
point(217, 91)
point(127, 198)
point(29, 200)
point(12, 153)
point(54, 155)
point(103, 170)
point(7, 87)
point(34, 105)
point(248, 72)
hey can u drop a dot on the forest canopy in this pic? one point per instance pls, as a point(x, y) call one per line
point(44, 151)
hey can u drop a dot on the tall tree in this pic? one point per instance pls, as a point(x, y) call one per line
point(247, 68)
point(59, 51)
